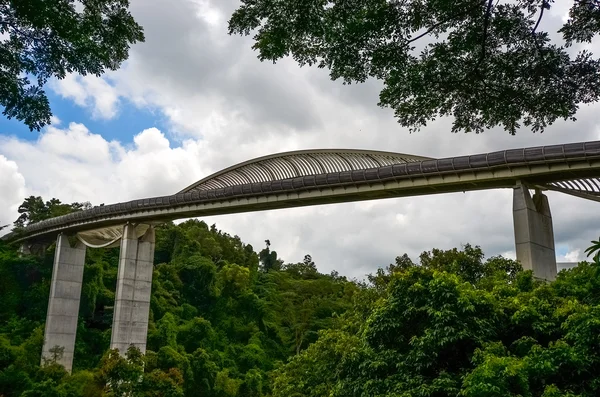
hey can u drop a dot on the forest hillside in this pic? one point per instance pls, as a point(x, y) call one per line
point(229, 321)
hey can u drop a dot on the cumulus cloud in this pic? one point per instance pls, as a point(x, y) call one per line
point(54, 120)
point(573, 256)
point(73, 164)
point(12, 191)
point(223, 106)
point(91, 92)
point(76, 142)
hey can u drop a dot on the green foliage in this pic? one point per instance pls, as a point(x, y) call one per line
point(458, 325)
point(594, 250)
point(315, 372)
point(487, 63)
point(455, 323)
point(121, 375)
point(34, 209)
point(269, 259)
point(219, 325)
point(50, 38)
point(305, 269)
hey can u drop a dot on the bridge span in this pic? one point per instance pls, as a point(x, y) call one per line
point(294, 179)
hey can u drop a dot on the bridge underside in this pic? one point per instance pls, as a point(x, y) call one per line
point(297, 179)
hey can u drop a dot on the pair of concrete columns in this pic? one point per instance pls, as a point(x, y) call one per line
point(132, 297)
point(534, 241)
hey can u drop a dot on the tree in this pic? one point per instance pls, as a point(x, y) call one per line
point(305, 269)
point(269, 258)
point(50, 38)
point(34, 209)
point(434, 333)
point(214, 329)
point(594, 250)
point(487, 63)
point(121, 375)
point(56, 354)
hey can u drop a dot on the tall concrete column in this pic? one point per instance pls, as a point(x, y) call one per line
point(134, 284)
point(534, 236)
point(63, 305)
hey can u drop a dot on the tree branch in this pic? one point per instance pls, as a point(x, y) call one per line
point(428, 31)
point(486, 23)
point(542, 8)
point(440, 23)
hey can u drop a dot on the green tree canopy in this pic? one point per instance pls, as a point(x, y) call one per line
point(221, 325)
point(34, 209)
point(440, 330)
point(50, 38)
point(487, 63)
point(269, 259)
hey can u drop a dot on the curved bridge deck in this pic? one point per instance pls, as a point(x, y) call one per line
point(304, 178)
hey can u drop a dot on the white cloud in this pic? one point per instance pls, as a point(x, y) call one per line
point(509, 255)
point(55, 121)
point(73, 164)
point(12, 191)
point(75, 142)
point(151, 140)
point(91, 92)
point(211, 15)
point(573, 256)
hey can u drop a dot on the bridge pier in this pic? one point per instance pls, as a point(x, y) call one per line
point(134, 284)
point(63, 305)
point(534, 235)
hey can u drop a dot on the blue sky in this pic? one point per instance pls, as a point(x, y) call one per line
point(129, 120)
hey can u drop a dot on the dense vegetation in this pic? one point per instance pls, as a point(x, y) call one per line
point(455, 326)
point(228, 321)
point(221, 319)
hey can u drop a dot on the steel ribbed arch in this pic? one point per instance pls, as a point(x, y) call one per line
point(587, 185)
point(588, 188)
point(301, 163)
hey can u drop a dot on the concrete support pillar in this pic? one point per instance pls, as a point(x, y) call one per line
point(63, 305)
point(534, 236)
point(24, 249)
point(32, 249)
point(132, 297)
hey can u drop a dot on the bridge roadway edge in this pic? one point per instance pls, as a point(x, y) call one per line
point(392, 187)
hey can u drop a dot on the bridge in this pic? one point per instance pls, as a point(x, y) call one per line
point(293, 179)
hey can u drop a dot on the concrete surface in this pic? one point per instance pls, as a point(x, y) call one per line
point(134, 284)
point(63, 305)
point(534, 235)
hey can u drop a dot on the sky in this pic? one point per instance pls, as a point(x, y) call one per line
point(192, 100)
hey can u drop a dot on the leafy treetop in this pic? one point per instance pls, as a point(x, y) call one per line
point(487, 63)
point(50, 38)
point(34, 209)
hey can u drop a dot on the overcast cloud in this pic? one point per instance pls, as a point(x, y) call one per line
point(224, 106)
